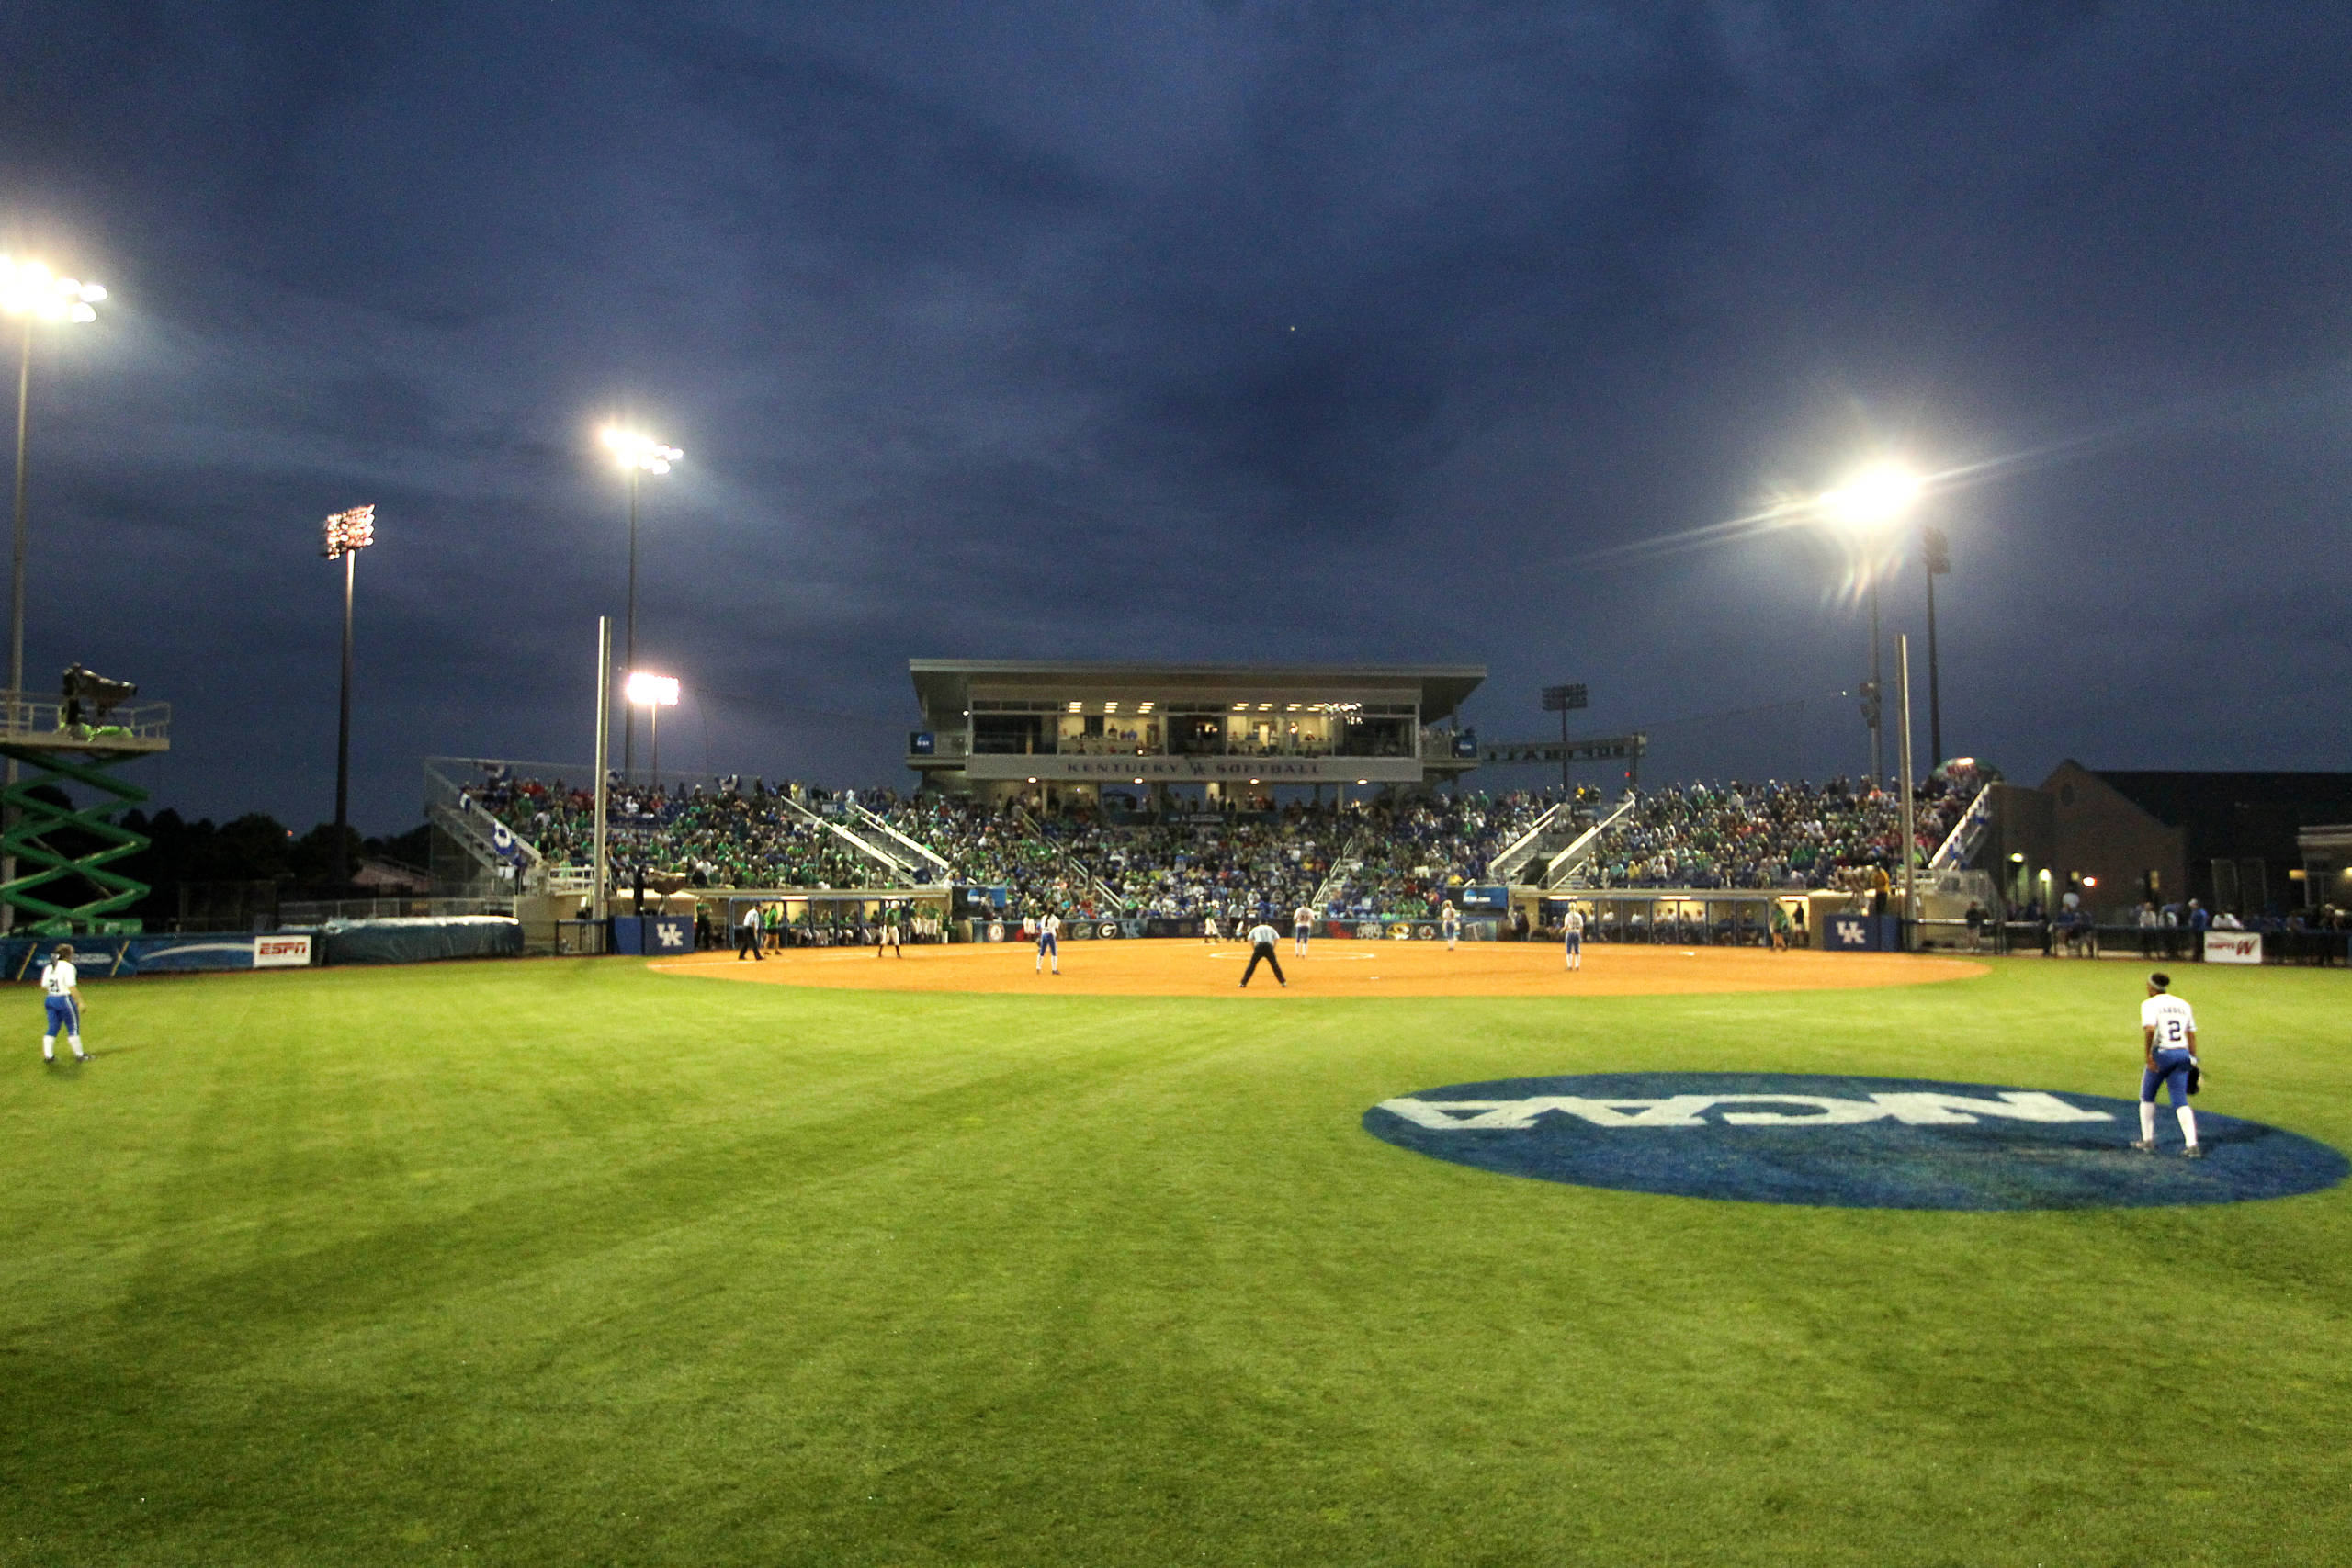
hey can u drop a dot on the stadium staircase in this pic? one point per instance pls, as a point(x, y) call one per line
point(927, 864)
point(1561, 870)
point(451, 807)
point(907, 869)
point(1967, 835)
point(1105, 894)
point(1348, 861)
point(1552, 833)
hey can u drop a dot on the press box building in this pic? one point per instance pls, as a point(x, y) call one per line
point(1072, 732)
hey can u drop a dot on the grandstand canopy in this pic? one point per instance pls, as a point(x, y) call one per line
point(1120, 724)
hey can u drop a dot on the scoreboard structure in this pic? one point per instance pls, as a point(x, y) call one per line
point(997, 727)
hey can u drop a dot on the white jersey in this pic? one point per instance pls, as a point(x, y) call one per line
point(1302, 915)
point(1573, 924)
point(1263, 933)
point(56, 980)
point(2172, 1019)
point(1050, 926)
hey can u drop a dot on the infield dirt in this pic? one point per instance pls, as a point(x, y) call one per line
point(1330, 968)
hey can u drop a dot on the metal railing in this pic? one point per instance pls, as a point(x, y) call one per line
point(1960, 845)
point(926, 858)
point(1071, 866)
point(318, 911)
point(1561, 867)
point(42, 721)
point(1506, 866)
point(1346, 864)
point(870, 851)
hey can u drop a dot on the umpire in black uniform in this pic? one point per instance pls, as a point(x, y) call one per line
point(1263, 938)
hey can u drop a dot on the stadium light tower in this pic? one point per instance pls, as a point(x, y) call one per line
point(638, 456)
point(346, 534)
point(1866, 506)
point(30, 291)
point(653, 692)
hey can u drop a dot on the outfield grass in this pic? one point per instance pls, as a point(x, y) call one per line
point(566, 1262)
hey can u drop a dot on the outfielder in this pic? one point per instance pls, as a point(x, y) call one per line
point(62, 999)
point(2168, 1045)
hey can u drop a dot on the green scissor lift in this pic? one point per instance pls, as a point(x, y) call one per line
point(35, 734)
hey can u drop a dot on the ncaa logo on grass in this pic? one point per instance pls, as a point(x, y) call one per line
point(1845, 1142)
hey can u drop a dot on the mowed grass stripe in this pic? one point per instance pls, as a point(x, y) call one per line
point(569, 1262)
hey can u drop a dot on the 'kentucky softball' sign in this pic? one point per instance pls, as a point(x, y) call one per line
point(1845, 1142)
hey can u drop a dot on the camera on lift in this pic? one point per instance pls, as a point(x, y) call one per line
point(90, 697)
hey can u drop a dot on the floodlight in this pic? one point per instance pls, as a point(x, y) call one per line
point(348, 532)
point(1873, 498)
point(637, 451)
point(28, 288)
point(647, 690)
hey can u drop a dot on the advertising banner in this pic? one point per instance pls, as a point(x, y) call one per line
point(108, 957)
point(284, 952)
point(2233, 947)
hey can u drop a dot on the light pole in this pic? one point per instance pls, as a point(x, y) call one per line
point(1935, 552)
point(604, 768)
point(1865, 506)
point(1563, 700)
point(638, 456)
point(653, 693)
point(30, 290)
point(346, 534)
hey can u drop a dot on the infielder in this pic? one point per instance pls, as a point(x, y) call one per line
point(1449, 920)
point(1302, 923)
point(1050, 942)
point(2168, 1045)
point(62, 999)
point(1572, 927)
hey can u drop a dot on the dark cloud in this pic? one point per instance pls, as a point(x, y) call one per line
point(1216, 331)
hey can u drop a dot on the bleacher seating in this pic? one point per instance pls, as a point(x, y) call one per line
point(1400, 858)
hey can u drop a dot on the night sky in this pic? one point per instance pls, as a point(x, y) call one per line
point(1202, 332)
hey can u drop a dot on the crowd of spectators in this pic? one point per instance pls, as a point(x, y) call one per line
point(1777, 835)
point(1392, 857)
point(713, 837)
point(1417, 855)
